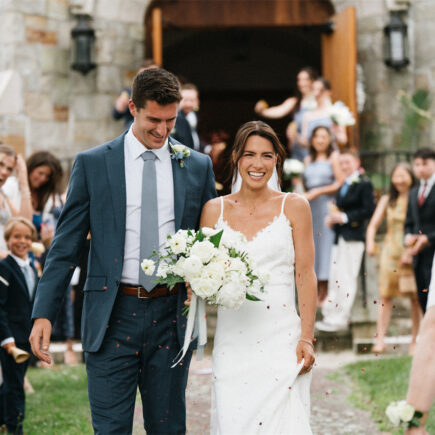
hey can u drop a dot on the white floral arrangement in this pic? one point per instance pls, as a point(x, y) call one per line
point(213, 263)
point(218, 270)
point(179, 152)
point(341, 115)
point(292, 168)
point(402, 412)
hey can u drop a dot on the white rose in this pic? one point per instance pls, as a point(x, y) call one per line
point(148, 266)
point(221, 257)
point(214, 271)
point(207, 231)
point(204, 250)
point(392, 413)
point(177, 243)
point(192, 267)
point(178, 268)
point(263, 276)
point(235, 240)
point(237, 265)
point(204, 287)
point(406, 411)
point(178, 148)
point(231, 295)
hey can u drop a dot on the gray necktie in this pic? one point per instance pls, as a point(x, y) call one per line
point(30, 279)
point(149, 221)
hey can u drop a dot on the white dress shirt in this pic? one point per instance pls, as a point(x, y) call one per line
point(133, 150)
point(430, 182)
point(23, 264)
point(192, 119)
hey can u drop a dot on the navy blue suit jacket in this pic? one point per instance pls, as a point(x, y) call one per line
point(15, 303)
point(96, 202)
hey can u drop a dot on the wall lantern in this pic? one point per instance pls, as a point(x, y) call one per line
point(396, 43)
point(83, 43)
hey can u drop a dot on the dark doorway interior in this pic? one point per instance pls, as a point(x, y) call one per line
point(235, 67)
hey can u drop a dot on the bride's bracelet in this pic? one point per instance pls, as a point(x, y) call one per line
point(307, 341)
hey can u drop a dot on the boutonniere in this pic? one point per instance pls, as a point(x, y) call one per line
point(356, 180)
point(179, 152)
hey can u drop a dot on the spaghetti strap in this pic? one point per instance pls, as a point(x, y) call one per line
point(221, 216)
point(283, 203)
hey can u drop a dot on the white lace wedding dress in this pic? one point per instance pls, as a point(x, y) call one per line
point(256, 387)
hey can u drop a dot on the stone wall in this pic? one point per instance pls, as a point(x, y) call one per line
point(62, 110)
point(382, 119)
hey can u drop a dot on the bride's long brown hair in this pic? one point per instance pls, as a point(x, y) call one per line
point(255, 128)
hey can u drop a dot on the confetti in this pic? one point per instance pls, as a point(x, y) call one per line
point(363, 369)
point(425, 290)
point(364, 349)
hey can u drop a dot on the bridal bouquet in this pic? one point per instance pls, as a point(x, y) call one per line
point(341, 115)
point(216, 267)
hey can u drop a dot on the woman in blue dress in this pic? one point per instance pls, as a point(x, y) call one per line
point(320, 116)
point(322, 179)
point(295, 106)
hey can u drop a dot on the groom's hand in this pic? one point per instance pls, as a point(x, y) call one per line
point(40, 339)
point(189, 294)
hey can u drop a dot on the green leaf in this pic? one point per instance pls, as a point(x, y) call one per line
point(199, 236)
point(216, 238)
point(252, 298)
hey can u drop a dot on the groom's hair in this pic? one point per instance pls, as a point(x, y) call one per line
point(155, 84)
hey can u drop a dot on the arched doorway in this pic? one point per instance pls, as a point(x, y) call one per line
point(237, 52)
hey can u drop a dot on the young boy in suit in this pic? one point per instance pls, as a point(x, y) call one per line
point(355, 204)
point(18, 279)
point(420, 221)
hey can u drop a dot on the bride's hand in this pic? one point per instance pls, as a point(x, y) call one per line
point(189, 294)
point(306, 351)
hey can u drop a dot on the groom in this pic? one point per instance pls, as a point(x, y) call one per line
point(130, 194)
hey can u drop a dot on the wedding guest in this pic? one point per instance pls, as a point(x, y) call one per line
point(420, 222)
point(354, 205)
point(395, 278)
point(421, 389)
point(295, 106)
point(18, 278)
point(322, 178)
point(185, 129)
point(320, 115)
point(121, 110)
point(9, 161)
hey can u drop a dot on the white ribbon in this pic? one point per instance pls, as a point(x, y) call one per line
point(196, 328)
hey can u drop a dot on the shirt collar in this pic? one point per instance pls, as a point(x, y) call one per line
point(20, 261)
point(430, 181)
point(136, 149)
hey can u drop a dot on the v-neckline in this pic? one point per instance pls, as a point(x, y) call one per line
point(260, 231)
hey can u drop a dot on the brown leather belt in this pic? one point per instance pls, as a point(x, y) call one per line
point(141, 293)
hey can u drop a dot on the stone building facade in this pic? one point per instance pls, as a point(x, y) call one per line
point(53, 107)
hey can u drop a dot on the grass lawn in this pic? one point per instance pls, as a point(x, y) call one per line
point(60, 402)
point(379, 382)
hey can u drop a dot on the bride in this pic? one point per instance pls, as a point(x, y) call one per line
point(263, 353)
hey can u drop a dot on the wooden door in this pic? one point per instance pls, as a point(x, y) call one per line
point(339, 59)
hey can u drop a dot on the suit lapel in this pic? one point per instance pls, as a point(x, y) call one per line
point(429, 197)
point(19, 276)
point(180, 178)
point(116, 175)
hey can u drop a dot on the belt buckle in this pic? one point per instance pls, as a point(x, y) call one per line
point(138, 293)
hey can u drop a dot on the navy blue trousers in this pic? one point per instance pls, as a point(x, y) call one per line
point(138, 350)
point(12, 396)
